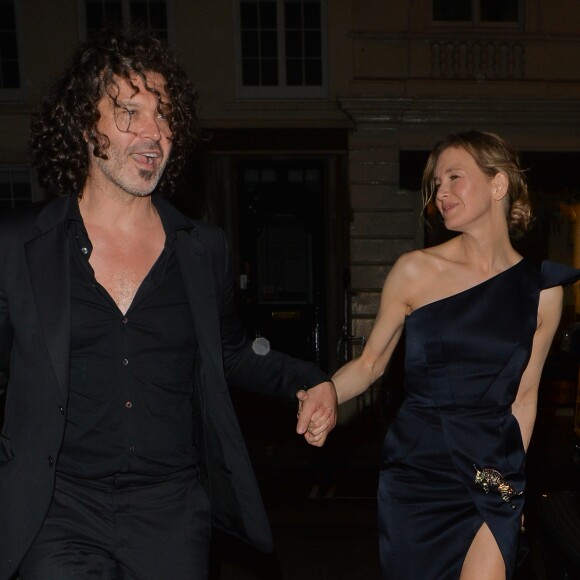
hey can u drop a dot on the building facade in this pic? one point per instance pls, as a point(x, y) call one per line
point(319, 115)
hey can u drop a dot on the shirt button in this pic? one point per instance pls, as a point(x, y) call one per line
point(61, 409)
point(131, 448)
point(128, 405)
point(125, 362)
point(84, 250)
point(125, 320)
point(50, 461)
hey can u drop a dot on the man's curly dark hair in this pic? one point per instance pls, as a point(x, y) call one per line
point(66, 123)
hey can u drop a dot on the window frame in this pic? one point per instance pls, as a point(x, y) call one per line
point(16, 95)
point(125, 8)
point(476, 21)
point(35, 193)
point(281, 90)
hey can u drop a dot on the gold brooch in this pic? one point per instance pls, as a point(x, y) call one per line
point(490, 479)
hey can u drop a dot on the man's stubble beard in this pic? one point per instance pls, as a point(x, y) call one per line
point(115, 170)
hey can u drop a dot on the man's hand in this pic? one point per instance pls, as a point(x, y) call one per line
point(317, 413)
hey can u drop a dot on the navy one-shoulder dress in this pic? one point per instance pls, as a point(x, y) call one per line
point(465, 355)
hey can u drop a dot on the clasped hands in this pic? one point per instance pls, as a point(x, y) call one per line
point(317, 413)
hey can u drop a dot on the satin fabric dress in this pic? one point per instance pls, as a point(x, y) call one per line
point(465, 355)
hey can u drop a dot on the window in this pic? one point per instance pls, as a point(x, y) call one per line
point(477, 12)
point(15, 187)
point(281, 48)
point(151, 13)
point(9, 67)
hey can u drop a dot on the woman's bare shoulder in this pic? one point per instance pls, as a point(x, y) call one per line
point(411, 275)
point(419, 264)
point(422, 276)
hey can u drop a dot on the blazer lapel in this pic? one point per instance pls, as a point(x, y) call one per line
point(48, 264)
point(196, 271)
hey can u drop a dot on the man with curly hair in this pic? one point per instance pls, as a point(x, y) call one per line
point(119, 447)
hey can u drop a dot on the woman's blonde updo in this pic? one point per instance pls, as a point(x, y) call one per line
point(493, 155)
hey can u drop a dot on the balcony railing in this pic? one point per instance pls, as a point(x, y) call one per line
point(477, 59)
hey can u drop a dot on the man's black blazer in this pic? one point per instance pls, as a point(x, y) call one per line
point(34, 374)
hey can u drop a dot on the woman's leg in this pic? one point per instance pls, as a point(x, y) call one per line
point(484, 560)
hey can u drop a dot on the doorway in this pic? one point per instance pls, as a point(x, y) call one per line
point(281, 236)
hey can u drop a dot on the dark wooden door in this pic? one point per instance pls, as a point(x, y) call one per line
point(281, 234)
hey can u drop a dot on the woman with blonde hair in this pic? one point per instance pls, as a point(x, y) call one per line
point(479, 322)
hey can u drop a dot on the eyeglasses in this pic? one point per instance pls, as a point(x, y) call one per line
point(134, 120)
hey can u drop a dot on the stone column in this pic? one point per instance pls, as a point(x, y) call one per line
point(384, 224)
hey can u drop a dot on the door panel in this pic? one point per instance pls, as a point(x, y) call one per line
point(281, 234)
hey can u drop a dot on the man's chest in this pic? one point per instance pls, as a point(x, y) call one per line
point(120, 270)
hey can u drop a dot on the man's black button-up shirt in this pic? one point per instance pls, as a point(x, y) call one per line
point(131, 375)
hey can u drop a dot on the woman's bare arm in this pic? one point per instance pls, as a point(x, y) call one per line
point(525, 405)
